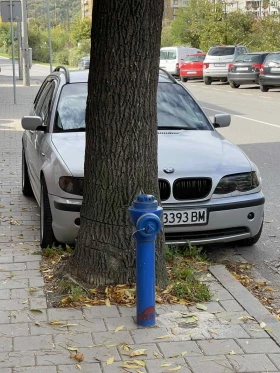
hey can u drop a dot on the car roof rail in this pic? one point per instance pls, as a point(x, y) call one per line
point(168, 75)
point(66, 71)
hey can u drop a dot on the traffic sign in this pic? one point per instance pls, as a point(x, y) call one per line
point(6, 12)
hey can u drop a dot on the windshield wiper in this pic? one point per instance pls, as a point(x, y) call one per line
point(160, 128)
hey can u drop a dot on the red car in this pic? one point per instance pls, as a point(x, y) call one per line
point(192, 67)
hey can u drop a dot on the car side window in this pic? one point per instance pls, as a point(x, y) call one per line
point(44, 103)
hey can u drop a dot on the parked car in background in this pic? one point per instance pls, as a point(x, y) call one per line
point(245, 69)
point(192, 67)
point(270, 72)
point(215, 66)
point(210, 190)
point(171, 58)
point(83, 63)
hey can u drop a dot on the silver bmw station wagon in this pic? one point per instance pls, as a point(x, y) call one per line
point(210, 191)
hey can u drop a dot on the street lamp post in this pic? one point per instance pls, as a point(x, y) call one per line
point(49, 34)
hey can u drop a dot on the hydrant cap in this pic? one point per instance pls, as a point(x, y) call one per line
point(144, 201)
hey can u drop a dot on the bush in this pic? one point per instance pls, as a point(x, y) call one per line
point(62, 57)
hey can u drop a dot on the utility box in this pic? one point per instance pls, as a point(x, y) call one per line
point(30, 57)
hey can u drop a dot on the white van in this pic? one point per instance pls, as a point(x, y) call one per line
point(171, 58)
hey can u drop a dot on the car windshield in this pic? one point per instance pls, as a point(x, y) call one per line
point(249, 58)
point(274, 57)
point(175, 109)
point(194, 58)
point(221, 51)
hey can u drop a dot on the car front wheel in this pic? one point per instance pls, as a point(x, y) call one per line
point(47, 237)
point(25, 181)
point(264, 88)
point(234, 85)
point(207, 80)
point(183, 79)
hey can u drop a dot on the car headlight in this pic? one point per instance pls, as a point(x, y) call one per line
point(238, 182)
point(72, 185)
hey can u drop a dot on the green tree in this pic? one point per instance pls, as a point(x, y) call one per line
point(80, 30)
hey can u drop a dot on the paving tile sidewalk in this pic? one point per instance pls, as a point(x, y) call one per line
point(224, 341)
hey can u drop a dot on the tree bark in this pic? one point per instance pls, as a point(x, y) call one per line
point(121, 138)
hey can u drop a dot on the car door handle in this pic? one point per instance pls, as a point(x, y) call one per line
point(43, 154)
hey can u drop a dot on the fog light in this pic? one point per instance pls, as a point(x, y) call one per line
point(251, 216)
point(77, 221)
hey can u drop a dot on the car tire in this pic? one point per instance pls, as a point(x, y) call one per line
point(207, 80)
point(251, 241)
point(183, 79)
point(234, 85)
point(224, 80)
point(25, 180)
point(47, 237)
point(264, 88)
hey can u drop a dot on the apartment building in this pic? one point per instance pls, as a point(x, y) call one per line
point(86, 6)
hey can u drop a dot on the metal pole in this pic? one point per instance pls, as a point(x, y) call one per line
point(25, 48)
point(19, 51)
point(13, 50)
point(49, 34)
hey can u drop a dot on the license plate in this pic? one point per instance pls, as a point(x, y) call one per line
point(191, 72)
point(219, 64)
point(186, 217)
point(242, 68)
point(275, 69)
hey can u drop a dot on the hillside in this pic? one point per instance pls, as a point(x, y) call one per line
point(61, 11)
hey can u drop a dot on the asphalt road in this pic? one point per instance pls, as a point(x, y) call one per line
point(255, 128)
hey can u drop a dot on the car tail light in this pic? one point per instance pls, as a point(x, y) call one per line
point(257, 66)
point(262, 69)
point(206, 65)
point(230, 65)
point(177, 65)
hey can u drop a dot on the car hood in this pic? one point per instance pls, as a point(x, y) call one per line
point(71, 147)
point(199, 154)
point(190, 153)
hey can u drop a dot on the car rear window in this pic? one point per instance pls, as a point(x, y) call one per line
point(274, 57)
point(221, 51)
point(194, 58)
point(249, 58)
point(168, 55)
point(175, 108)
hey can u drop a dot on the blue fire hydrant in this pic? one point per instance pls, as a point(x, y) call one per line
point(145, 215)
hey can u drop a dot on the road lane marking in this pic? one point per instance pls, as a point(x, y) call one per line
point(242, 117)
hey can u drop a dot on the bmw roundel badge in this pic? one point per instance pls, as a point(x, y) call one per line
point(168, 170)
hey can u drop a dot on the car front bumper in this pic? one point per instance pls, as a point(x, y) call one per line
point(227, 220)
point(244, 78)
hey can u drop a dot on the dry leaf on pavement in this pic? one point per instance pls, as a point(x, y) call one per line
point(138, 352)
point(110, 360)
point(119, 328)
point(78, 356)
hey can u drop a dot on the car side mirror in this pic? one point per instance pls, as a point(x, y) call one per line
point(31, 123)
point(222, 120)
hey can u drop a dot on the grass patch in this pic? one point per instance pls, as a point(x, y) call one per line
point(185, 264)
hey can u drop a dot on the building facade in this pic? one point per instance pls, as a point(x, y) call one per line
point(86, 7)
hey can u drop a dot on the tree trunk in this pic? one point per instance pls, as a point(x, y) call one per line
point(121, 138)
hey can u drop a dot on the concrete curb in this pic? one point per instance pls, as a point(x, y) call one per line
point(247, 301)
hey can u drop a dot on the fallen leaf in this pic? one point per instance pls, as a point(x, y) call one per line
point(201, 307)
point(209, 275)
point(166, 364)
point(36, 310)
point(175, 369)
point(79, 356)
point(212, 331)
point(107, 302)
point(163, 337)
point(37, 323)
point(262, 325)
point(31, 290)
point(231, 352)
point(184, 353)
point(78, 366)
point(139, 362)
point(72, 348)
point(129, 365)
point(119, 328)
point(247, 342)
point(24, 249)
point(110, 360)
point(174, 331)
point(155, 354)
point(138, 352)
